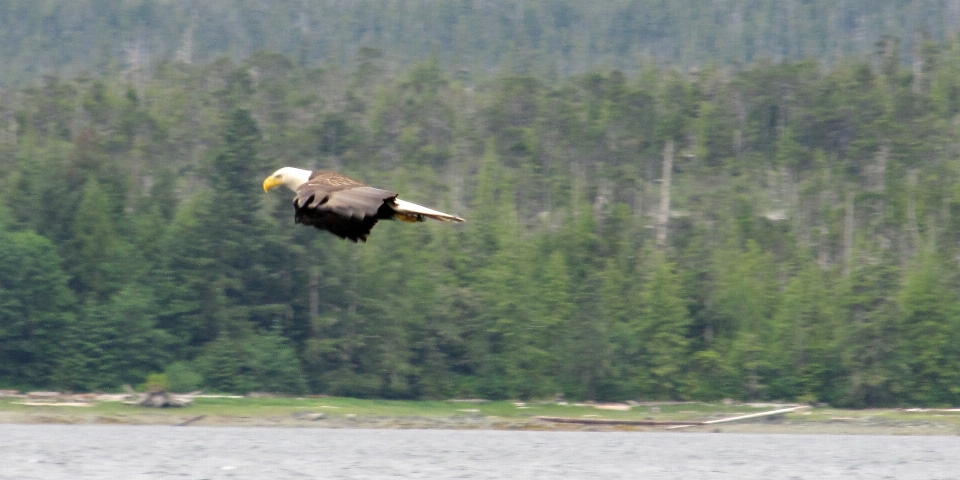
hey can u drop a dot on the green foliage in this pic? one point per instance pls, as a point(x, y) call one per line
point(662, 330)
point(157, 382)
point(113, 343)
point(36, 307)
point(181, 377)
point(95, 257)
point(260, 362)
point(930, 327)
point(561, 37)
point(871, 337)
point(806, 361)
point(743, 302)
point(810, 250)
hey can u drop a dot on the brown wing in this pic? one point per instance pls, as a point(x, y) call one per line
point(345, 207)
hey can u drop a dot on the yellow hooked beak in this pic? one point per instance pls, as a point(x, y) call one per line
point(271, 182)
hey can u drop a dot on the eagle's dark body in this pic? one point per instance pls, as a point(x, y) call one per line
point(345, 207)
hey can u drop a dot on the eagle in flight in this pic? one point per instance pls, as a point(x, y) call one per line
point(343, 206)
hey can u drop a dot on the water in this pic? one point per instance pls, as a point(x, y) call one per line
point(164, 452)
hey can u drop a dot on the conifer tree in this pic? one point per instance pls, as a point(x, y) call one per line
point(36, 308)
point(662, 330)
point(871, 336)
point(805, 327)
point(930, 330)
point(96, 252)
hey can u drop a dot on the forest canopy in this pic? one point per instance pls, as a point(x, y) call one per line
point(783, 230)
point(553, 38)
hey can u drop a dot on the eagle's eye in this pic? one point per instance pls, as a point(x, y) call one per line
point(278, 176)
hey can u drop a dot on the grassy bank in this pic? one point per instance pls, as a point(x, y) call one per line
point(333, 412)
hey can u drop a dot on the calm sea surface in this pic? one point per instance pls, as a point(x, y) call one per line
point(148, 452)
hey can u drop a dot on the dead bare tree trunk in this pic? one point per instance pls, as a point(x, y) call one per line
point(912, 226)
point(917, 85)
point(848, 233)
point(664, 216)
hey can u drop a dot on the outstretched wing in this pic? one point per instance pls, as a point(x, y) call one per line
point(345, 207)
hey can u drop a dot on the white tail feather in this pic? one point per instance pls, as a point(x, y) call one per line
point(403, 206)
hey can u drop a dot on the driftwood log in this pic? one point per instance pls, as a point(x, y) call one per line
point(163, 399)
point(670, 424)
point(608, 421)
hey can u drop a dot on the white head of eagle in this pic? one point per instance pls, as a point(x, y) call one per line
point(289, 177)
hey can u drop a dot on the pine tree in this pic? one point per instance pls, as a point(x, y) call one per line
point(113, 343)
point(871, 337)
point(806, 331)
point(662, 330)
point(743, 301)
point(930, 331)
point(96, 252)
point(36, 308)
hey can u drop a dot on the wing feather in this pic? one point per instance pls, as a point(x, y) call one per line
point(349, 209)
point(344, 207)
point(358, 202)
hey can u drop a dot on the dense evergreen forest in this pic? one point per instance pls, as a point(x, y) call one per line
point(788, 229)
point(549, 38)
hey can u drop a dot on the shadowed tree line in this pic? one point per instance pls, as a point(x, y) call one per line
point(548, 38)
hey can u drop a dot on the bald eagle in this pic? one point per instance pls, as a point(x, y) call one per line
point(343, 206)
